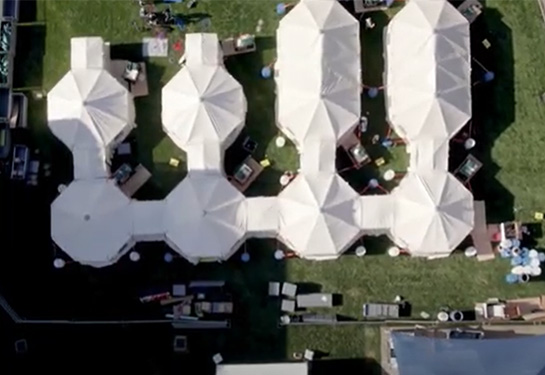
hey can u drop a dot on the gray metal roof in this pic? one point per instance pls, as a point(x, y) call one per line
point(433, 356)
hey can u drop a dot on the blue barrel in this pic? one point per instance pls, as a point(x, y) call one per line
point(280, 8)
point(511, 278)
point(387, 143)
point(372, 92)
point(168, 258)
point(516, 261)
point(266, 72)
point(488, 76)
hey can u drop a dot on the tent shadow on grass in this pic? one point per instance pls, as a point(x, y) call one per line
point(260, 118)
point(367, 366)
point(493, 111)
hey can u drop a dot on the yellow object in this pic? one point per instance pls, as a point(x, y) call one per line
point(265, 163)
point(173, 162)
point(486, 43)
point(380, 161)
point(538, 216)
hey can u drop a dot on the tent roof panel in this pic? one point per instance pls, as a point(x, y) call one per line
point(91, 221)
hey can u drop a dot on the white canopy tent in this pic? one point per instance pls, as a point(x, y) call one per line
point(319, 216)
point(318, 156)
point(376, 214)
point(318, 31)
point(88, 108)
point(329, 111)
point(428, 70)
point(90, 163)
point(426, 154)
point(286, 368)
point(205, 218)
point(206, 157)
point(203, 49)
point(89, 53)
point(262, 220)
point(432, 213)
point(203, 104)
point(148, 220)
point(91, 222)
point(318, 71)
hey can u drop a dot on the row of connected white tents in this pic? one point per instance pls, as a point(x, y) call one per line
point(318, 214)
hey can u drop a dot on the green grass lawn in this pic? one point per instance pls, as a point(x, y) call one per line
point(513, 127)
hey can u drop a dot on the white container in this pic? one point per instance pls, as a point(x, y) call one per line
point(361, 251)
point(59, 263)
point(134, 256)
point(442, 316)
point(470, 252)
point(389, 175)
point(394, 251)
point(280, 141)
point(517, 270)
point(506, 244)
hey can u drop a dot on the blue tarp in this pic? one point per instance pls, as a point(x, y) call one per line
point(431, 356)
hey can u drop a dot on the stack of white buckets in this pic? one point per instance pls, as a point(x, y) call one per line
point(526, 263)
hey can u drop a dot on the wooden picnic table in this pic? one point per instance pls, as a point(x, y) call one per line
point(139, 87)
point(360, 7)
point(355, 150)
point(256, 170)
point(229, 47)
point(136, 181)
point(471, 9)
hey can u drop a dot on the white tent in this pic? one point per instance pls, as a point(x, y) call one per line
point(318, 156)
point(203, 49)
point(329, 110)
point(148, 220)
point(319, 215)
point(286, 368)
point(206, 157)
point(205, 218)
point(433, 213)
point(426, 154)
point(89, 53)
point(318, 71)
point(88, 108)
point(428, 70)
point(91, 222)
point(203, 103)
point(262, 220)
point(90, 163)
point(318, 30)
point(376, 214)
